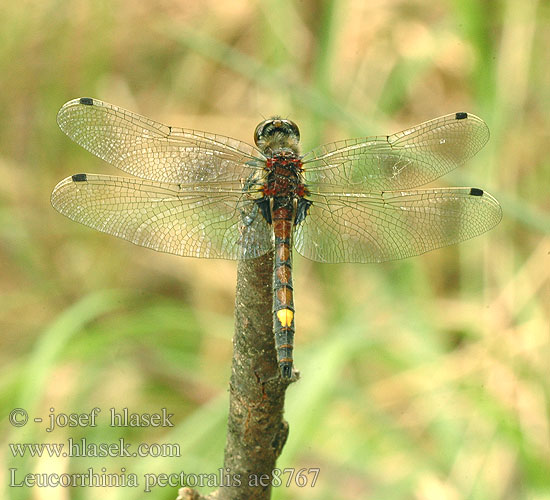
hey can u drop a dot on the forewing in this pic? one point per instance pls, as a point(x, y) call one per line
point(378, 227)
point(404, 160)
point(151, 150)
point(166, 217)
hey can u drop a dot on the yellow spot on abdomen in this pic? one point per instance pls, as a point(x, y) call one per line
point(285, 317)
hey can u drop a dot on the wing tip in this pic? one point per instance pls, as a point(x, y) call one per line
point(86, 101)
point(496, 213)
point(61, 185)
point(66, 109)
point(483, 133)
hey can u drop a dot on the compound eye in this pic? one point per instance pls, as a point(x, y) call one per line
point(295, 129)
point(259, 132)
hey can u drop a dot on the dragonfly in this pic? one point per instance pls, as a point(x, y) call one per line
point(198, 194)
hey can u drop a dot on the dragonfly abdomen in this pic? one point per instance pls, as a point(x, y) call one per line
point(287, 207)
point(283, 300)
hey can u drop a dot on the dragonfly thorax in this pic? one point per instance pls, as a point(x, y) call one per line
point(284, 189)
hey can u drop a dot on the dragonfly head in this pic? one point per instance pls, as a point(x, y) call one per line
point(277, 134)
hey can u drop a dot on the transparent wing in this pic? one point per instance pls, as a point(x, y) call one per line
point(378, 227)
point(151, 150)
point(166, 217)
point(400, 161)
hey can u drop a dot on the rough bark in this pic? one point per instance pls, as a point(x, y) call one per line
point(256, 431)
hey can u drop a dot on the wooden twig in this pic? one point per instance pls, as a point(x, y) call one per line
point(256, 430)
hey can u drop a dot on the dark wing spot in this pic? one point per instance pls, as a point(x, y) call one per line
point(79, 178)
point(88, 101)
point(461, 116)
point(476, 192)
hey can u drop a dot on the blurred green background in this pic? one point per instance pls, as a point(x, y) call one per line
point(421, 379)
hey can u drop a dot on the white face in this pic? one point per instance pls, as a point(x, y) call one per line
point(277, 134)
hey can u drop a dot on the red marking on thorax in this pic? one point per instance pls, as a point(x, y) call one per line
point(285, 161)
point(284, 181)
point(301, 190)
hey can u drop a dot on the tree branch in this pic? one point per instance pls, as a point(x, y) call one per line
point(256, 430)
